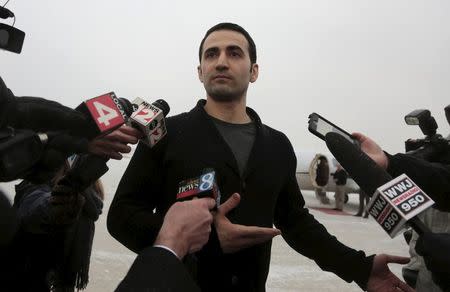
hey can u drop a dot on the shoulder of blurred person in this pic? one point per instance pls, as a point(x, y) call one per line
point(156, 268)
point(6, 97)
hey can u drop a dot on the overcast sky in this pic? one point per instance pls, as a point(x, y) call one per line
point(361, 64)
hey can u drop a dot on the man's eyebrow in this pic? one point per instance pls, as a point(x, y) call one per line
point(212, 49)
point(234, 47)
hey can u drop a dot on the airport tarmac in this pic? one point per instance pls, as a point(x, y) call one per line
point(289, 271)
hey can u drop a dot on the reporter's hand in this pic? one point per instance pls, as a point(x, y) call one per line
point(115, 143)
point(381, 279)
point(234, 237)
point(372, 149)
point(187, 226)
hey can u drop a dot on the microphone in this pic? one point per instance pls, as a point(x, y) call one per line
point(200, 187)
point(87, 168)
point(5, 13)
point(394, 201)
point(105, 113)
point(149, 118)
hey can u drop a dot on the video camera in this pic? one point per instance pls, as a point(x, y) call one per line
point(433, 147)
point(11, 38)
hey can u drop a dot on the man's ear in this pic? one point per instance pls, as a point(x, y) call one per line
point(254, 71)
point(199, 72)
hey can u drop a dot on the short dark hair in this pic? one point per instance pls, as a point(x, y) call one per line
point(233, 27)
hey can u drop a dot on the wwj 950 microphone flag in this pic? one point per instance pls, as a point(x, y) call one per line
point(390, 209)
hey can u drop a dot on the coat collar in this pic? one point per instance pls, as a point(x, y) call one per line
point(199, 112)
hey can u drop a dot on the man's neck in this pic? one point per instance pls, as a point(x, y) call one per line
point(233, 112)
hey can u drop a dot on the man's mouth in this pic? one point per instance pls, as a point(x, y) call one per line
point(222, 77)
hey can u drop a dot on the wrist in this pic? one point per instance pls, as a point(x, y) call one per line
point(177, 245)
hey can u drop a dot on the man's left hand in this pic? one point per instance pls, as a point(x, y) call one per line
point(234, 237)
point(381, 279)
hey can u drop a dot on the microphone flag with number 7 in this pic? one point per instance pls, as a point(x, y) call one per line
point(394, 201)
point(104, 112)
point(199, 187)
point(149, 118)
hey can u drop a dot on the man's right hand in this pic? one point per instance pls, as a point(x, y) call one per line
point(234, 237)
point(187, 226)
point(372, 149)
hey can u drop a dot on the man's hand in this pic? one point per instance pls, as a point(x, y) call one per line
point(115, 143)
point(372, 149)
point(187, 226)
point(234, 237)
point(381, 279)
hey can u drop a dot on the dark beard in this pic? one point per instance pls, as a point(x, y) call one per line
point(226, 96)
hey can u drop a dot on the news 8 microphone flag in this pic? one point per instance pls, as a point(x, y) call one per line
point(394, 201)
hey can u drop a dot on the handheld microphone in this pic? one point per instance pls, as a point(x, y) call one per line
point(5, 13)
point(394, 201)
point(149, 118)
point(87, 168)
point(105, 113)
point(200, 187)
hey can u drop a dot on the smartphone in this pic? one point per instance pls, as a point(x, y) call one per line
point(320, 126)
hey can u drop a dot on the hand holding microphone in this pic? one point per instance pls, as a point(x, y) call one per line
point(186, 226)
point(395, 201)
point(372, 149)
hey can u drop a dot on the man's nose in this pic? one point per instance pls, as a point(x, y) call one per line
point(222, 62)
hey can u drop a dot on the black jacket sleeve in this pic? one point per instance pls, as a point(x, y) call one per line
point(432, 178)
point(131, 217)
point(38, 114)
point(310, 238)
point(157, 269)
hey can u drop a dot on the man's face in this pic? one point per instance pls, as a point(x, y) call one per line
point(225, 68)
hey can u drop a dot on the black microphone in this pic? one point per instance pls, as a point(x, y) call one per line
point(5, 13)
point(202, 186)
point(394, 201)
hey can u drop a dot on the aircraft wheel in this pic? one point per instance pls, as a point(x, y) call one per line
point(346, 199)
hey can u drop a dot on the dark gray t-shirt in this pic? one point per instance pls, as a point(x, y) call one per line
point(240, 138)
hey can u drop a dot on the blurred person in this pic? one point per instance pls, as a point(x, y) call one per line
point(340, 178)
point(363, 201)
point(322, 173)
point(53, 245)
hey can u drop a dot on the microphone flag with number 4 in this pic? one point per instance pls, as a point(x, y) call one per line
point(105, 113)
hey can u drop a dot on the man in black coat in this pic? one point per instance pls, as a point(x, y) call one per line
point(255, 167)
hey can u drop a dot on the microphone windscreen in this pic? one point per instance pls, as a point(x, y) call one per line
point(362, 169)
point(162, 105)
point(127, 106)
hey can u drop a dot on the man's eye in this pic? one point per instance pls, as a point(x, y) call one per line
point(235, 54)
point(210, 54)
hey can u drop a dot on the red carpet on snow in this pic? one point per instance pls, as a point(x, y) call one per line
point(331, 211)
